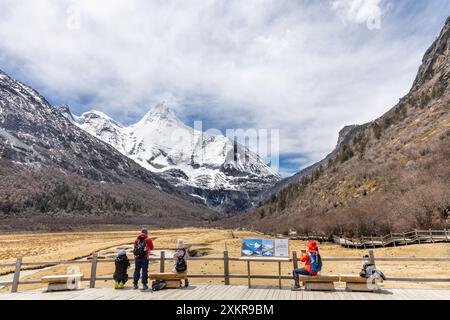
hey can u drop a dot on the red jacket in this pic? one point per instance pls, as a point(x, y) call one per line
point(307, 260)
point(312, 248)
point(148, 240)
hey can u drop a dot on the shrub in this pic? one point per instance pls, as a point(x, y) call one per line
point(376, 130)
point(360, 142)
point(438, 91)
point(387, 121)
point(424, 100)
point(346, 153)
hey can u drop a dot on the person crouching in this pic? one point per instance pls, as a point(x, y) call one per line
point(120, 274)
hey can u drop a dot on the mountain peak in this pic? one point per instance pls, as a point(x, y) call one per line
point(346, 132)
point(160, 108)
point(95, 114)
point(64, 109)
point(159, 112)
point(98, 117)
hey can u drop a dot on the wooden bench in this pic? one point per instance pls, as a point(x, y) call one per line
point(173, 280)
point(319, 282)
point(352, 283)
point(357, 283)
point(63, 282)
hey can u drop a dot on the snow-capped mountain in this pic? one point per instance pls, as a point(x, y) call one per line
point(50, 168)
point(227, 175)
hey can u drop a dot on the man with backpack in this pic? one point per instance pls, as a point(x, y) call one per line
point(313, 263)
point(142, 246)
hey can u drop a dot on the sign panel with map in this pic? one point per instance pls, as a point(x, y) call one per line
point(265, 247)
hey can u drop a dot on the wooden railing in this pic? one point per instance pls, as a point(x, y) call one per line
point(226, 275)
point(395, 239)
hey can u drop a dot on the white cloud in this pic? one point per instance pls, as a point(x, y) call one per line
point(266, 63)
point(359, 11)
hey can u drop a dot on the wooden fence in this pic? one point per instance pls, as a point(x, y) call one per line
point(395, 239)
point(226, 275)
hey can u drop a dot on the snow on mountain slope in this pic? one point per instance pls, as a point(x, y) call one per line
point(209, 166)
point(52, 169)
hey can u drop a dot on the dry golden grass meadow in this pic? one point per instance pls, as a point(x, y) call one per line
point(210, 242)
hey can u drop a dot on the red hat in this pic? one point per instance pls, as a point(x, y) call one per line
point(312, 245)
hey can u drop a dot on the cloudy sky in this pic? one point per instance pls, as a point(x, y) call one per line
point(305, 67)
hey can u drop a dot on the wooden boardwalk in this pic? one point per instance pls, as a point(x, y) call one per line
point(221, 292)
point(395, 239)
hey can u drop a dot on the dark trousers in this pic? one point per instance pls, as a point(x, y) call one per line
point(121, 278)
point(297, 272)
point(140, 264)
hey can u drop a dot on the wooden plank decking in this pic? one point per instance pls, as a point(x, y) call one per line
point(395, 239)
point(221, 292)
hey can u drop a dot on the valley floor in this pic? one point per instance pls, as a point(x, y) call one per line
point(209, 243)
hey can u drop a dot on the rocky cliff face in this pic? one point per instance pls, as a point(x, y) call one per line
point(435, 61)
point(227, 176)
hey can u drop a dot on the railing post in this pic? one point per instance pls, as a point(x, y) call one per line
point(295, 259)
point(295, 264)
point(392, 238)
point(431, 235)
point(248, 274)
point(372, 257)
point(93, 270)
point(404, 238)
point(279, 274)
point(446, 235)
point(16, 278)
point(162, 261)
point(417, 235)
point(226, 268)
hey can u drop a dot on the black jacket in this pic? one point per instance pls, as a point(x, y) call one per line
point(122, 263)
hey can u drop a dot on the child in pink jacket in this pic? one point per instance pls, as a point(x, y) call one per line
point(180, 259)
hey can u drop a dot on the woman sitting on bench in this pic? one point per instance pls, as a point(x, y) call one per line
point(180, 257)
point(313, 263)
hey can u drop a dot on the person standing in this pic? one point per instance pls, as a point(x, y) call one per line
point(180, 260)
point(142, 246)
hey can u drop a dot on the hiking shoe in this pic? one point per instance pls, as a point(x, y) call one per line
point(145, 287)
point(116, 285)
point(135, 287)
point(295, 288)
point(120, 285)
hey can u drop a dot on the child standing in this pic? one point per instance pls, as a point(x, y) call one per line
point(180, 257)
point(120, 274)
